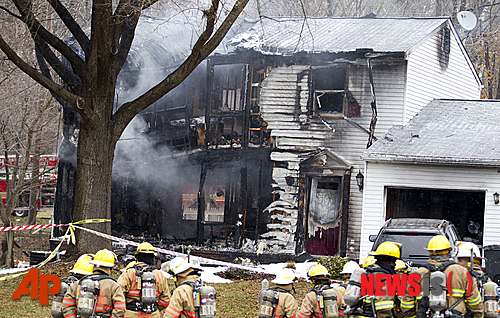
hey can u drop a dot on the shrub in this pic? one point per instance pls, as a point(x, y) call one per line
point(334, 265)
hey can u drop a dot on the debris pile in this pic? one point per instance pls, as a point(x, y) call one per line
point(241, 274)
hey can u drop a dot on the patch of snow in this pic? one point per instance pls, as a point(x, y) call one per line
point(7, 271)
point(208, 275)
point(300, 271)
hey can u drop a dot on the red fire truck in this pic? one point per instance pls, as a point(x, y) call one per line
point(46, 195)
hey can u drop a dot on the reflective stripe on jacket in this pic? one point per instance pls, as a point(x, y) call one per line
point(310, 305)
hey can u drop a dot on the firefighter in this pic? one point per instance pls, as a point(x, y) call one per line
point(109, 298)
point(129, 265)
point(134, 283)
point(319, 276)
point(82, 266)
point(287, 304)
point(185, 274)
point(457, 300)
point(81, 269)
point(347, 270)
point(385, 262)
point(466, 250)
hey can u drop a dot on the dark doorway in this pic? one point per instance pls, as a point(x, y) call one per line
point(324, 206)
point(465, 209)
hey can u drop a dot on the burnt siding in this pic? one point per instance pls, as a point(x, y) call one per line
point(428, 80)
point(283, 104)
point(293, 134)
point(349, 142)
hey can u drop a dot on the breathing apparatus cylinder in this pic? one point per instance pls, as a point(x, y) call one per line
point(330, 303)
point(265, 286)
point(148, 290)
point(87, 291)
point(438, 302)
point(268, 303)
point(490, 300)
point(206, 303)
point(353, 290)
point(55, 311)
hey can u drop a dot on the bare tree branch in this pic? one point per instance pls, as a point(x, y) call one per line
point(73, 100)
point(127, 36)
point(72, 26)
point(201, 50)
point(10, 12)
point(64, 72)
point(37, 30)
point(126, 18)
point(46, 72)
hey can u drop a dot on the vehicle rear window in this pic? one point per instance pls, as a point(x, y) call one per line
point(413, 243)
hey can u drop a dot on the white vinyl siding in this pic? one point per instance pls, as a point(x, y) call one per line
point(427, 80)
point(402, 87)
point(349, 142)
point(382, 175)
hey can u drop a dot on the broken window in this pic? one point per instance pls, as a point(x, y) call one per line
point(228, 84)
point(329, 90)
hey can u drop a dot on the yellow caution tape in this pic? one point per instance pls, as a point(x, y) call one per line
point(71, 232)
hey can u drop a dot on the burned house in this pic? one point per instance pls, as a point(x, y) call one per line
point(263, 141)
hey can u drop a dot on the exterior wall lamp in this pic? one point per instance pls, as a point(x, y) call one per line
point(496, 197)
point(360, 180)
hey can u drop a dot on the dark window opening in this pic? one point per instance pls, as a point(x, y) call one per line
point(329, 90)
point(227, 88)
point(330, 102)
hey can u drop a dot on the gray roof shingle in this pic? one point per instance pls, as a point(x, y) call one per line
point(335, 35)
point(444, 132)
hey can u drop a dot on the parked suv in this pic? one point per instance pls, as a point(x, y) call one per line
point(415, 234)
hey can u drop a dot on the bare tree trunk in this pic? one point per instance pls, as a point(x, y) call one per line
point(34, 189)
point(96, 145)
point(10, 249)
point(438, 8)
point(488, 83)
point(497, 95)
point(93, 184)
point(330, 7)
point(3, 249)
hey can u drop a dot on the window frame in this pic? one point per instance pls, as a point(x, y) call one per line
point(315, 92)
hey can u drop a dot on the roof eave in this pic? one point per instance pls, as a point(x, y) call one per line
point(430, 160)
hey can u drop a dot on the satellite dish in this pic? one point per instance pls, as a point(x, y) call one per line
point(467, 20)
